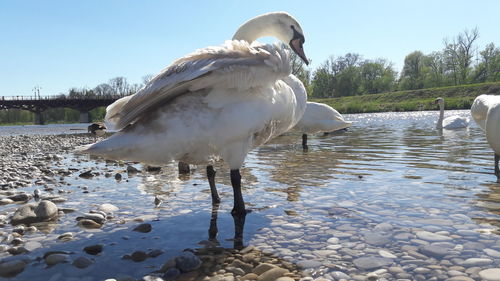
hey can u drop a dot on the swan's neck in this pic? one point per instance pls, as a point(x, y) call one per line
point(265, 25)
point(439, 124)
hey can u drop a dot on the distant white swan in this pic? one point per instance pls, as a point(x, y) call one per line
point(452, 122)
point(218, 102)
point(486, 112)
point(320, 117)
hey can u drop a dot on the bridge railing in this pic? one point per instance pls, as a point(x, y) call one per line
point(61, 97)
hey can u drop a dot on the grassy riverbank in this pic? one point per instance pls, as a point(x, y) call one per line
point(456, 97)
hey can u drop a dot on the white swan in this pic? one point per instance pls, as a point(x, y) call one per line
point(218, 102)
point(451, 122)
point(319, 117)
point(486, 112)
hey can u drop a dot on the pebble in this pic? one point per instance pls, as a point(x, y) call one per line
point(386, 254)
point(263, 267)
point(476, 262)
point(187, 262)
point(67, 236)
point(108, 208)
point(429, 236)
point(93, 249)
point(492, 253)
point(35, 212)
point(376, 239)
point(97, 217)
point(88, 223)
point(370, 263)
point(309, 263)
point(143, 227)
point(459, 278)
point(82, 262)
point(139, 256)
point(54, 259)
point(490, 274)
point(272, 274)
point(11, 268)
point(434, 251)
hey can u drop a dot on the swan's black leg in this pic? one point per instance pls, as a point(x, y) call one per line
point(239, 204)
point(239, 213)
point(211, 182)
point(183, 168)
point(212, 231)
point(304, 142)
point(497, 170)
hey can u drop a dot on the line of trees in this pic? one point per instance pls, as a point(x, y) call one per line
point(459, 62)
point(115, 86)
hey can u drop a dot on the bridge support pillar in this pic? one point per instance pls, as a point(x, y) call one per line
point(39, 118)
point(84, 117)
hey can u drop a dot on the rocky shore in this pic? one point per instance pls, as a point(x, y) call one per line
point(28, 218)
point(41, 182)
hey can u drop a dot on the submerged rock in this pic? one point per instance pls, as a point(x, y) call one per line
point(54, 259)
point(11, 268)
point(82, 262)
point(369, 263)
point(93, 250)
point(491, 274)
point(144, 228)
point(139, 256)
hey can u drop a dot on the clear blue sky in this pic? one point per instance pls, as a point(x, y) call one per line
point(62, 44)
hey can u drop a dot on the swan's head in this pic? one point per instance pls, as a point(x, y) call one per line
point(439, 101)
point(278, 24)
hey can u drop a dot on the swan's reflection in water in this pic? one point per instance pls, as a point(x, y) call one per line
point(239, 225)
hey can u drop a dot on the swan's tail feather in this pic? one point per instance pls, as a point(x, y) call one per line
point(113, 115)
point(111, 148)
point(343, 125)
point(83, 149)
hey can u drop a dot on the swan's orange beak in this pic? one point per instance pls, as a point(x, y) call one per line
point(297, 47)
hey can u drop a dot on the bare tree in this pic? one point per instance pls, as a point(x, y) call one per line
point(119, 85)
point(146, 78)
point(459, 53)
point(103, 89)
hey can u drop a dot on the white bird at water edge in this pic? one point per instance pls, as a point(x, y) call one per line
point(218, 102)
point(320, 117)
point(451, 122)
point(486, 113)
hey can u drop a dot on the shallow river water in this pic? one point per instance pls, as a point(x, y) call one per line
point(392, 193)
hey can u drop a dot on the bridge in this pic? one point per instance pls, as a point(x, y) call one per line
point(38, 104)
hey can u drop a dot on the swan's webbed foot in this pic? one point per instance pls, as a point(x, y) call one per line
point(211, 182)
point(183, 168)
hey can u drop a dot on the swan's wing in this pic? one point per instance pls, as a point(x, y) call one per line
point(455, 122)
point(480, 107)
point(236, 65)
point(479, 110)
